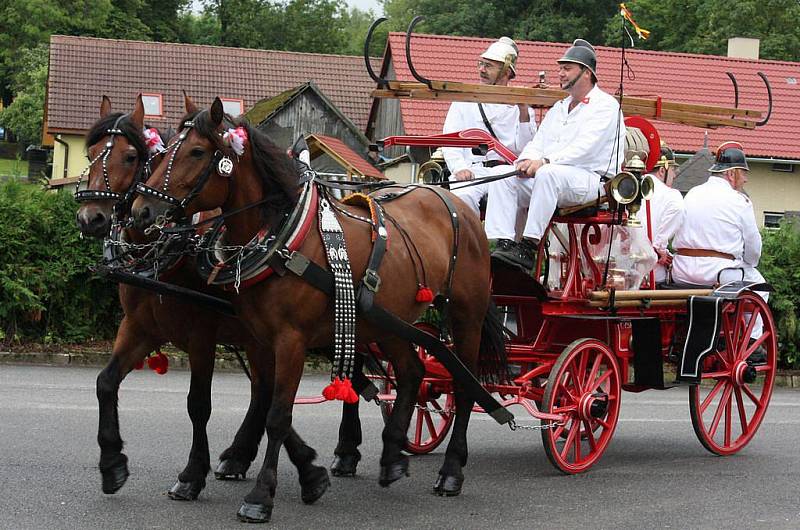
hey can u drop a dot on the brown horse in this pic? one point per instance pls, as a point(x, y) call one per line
point(116, 146)
point(289, 315)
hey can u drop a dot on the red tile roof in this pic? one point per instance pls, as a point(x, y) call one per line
point(82, 69)
point(337, 149)
point(680, 77)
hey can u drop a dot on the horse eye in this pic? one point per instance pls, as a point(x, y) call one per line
point(197, 152)
point(130, 159)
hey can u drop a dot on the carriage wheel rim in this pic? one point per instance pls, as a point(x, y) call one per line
point(585, 373)
point(727, 415)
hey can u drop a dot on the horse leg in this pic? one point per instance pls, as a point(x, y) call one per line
point(409, 371)
point(235, 460)
point(129, 349)
point(192, 479)
point(258, 503)
point(467, 339)
point(346, 455)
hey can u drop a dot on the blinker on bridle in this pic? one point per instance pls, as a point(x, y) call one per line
point(108, 194)
point(224, 167)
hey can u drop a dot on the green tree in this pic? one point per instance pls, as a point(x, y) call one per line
point(705, 26)
point(24, 115)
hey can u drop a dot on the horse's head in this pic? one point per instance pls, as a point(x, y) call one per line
point(118, 148)
point(215, 161)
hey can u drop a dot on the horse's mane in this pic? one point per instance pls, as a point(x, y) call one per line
point(273, 167)
point(131, 132)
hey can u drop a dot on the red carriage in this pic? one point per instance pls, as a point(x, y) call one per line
point(576, 345)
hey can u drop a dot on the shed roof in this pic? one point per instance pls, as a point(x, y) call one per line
point(680, 77)
point(345, 156)
point(82, 69)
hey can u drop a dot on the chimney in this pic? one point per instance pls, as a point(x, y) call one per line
point(743, 48)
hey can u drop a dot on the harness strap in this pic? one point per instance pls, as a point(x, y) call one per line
point(323, 280)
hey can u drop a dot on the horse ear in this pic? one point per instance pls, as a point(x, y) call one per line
point(188, 103)
point(217, 112)
point(137, 117)
point(105, 106)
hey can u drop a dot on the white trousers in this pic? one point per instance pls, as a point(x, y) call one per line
point(704, 270)
point(553, 186)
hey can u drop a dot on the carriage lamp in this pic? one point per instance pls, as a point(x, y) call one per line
point(630, 187)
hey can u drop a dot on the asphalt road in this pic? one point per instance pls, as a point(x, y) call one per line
point(654, 474)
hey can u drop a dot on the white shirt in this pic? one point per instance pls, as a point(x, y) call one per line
point(591, 136)
point(666, 209)
point(504, 120)
point(716, 217)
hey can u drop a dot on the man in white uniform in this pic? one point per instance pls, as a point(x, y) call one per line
point(580, 139)
point(666, 210)
point(719, 229)
point(513, 125)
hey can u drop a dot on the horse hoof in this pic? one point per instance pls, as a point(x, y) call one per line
point(254, 513)
point(115, 473)
point(394, 472)
point(186, 491)
point(448, 486)
point(345, 465)
point(314, 484)
point(231, 469)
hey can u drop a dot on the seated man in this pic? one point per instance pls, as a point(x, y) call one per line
point(719, 230)
point(666, 210)
point(513, 125)
point(579, 140)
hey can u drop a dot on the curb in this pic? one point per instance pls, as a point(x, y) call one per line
point(228, 363)
point(223, 362)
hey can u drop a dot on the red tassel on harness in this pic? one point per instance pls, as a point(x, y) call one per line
point(346, 393)
point(159, 363)
point(424, 294)
point(330, 391)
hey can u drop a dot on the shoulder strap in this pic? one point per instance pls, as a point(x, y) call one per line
point(486, 121)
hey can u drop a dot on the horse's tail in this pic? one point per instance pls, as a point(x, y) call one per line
point(492, 361)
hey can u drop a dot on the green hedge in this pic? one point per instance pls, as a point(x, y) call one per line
point(46, 292)
point(780, 265)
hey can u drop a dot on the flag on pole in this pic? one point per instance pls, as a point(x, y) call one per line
point(626, 14)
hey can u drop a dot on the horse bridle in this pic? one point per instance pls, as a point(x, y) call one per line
point(108, 193)
point(178, 209)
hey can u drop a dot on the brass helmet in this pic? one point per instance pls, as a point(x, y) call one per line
point(581, 53)
point(730, 155)
point(503, 50)
point(666, 158)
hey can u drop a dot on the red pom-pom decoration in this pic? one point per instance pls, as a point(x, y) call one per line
point(349, 394)
point(159, 363)
point(424, 294)
point(330, 391)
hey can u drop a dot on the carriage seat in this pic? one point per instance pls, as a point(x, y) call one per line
point(672, 286)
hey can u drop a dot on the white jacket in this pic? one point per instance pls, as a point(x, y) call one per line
point(592, 136)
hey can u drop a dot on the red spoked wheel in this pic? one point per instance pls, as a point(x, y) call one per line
point(435, 408)
point(728, 406)
point(585, 387)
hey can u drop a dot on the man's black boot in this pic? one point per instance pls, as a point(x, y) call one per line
point(521, 255)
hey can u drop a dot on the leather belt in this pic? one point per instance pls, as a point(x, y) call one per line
point(494, 163)
point(703, 253)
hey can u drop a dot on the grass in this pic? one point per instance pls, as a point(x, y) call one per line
point(11, 167)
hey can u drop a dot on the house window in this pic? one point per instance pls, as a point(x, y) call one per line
point(781, 166)
point(153, 105)
point(772, 219)
point(233, 107)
